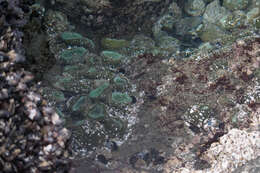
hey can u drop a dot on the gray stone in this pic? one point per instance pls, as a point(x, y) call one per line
point(233, 20)
point(211, 32)
point(194, 7)
point(169, 44)
point(235, 4)
point(214, 12)
point(187, 25)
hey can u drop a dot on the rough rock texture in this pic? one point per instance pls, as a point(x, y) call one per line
point(32, 138)
point(235, 144)
point(116, 17)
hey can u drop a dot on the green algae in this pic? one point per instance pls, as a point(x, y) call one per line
point(63, 82)
point(73, 56)
point(121, 98)
point(120, 81)
point(76, 39)
point(98, 91)
point(97, 112)
point(92, 73)
point(79, 103)
point(71, 35)
point(111, 43)
point(112, 57)
point(59, 96)
point(69, 68)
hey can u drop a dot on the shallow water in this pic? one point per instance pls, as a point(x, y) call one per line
point(135, 87)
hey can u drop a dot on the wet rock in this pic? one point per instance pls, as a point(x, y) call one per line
point(257, 23)
point(159, 160)
point(141, 44)
point(187, 26)
point(214, 12)
point(198, 116)
point(102, 159)
point(201, 164)
point(56, 22)
point(235, 4)
point(233, 20)
point(132, 160)
point(208, 1)
point(168, 45)
point(112, 145)
point(251, 166)
point(166, 21)
point(134, 100)
point(210, 32)
point(115, 127)
point(194, 7)
point(233, 149)
point(252, 15)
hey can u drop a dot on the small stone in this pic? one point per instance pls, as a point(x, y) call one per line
point(55, 119)
point(112, 145)
point(194, 7)
point(133, 159)
point(159, 160)
point(253, 15)
point(102, 159)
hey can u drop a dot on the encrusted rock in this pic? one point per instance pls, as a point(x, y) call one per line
point(30, 131)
